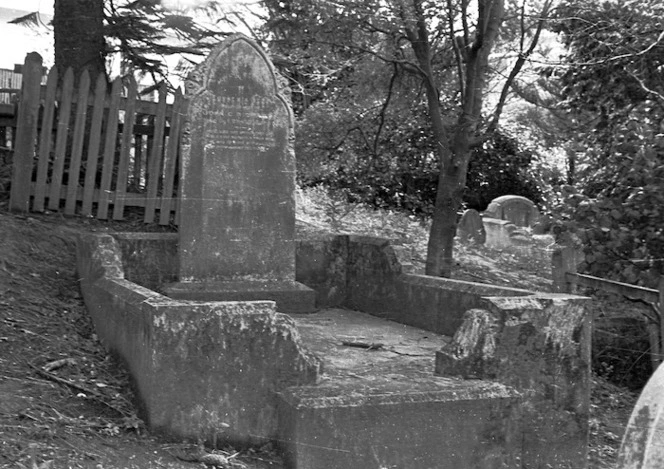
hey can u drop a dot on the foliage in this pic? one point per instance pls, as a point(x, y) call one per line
point(434, 57)
point(403, 173)
point(501, 166)
point(333, 150)
point(143, 32)
point(615, 54)
point(622, 227)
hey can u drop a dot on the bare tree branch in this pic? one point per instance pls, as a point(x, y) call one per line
point(521, 60)
point(383, 110)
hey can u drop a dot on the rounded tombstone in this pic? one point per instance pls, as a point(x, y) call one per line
point(514, 208)
point(471, 228)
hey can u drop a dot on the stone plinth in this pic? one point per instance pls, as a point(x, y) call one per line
point(290, 296)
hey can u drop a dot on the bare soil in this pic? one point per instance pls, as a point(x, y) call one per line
point(64, 403)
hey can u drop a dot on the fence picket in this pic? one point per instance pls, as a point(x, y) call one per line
point(138, 155)
point(125, 148)
point(64, 116)
point(77, 146)
point(109, 150)
point(26, 134)
point(170, 159)
point(93, 145)
point(45, 141)
point(154, 165)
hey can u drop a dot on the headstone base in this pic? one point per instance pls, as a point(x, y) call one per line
point(290, 296)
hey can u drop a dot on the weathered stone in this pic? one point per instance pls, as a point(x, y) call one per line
point(643, 442)
point(564, 259)
point(471, 228)
point(238, 182)
point(237, 216)
point(149, 259)
point(498, 232)
point(384, 408)
point(514, 208)
point(238, 372)
point(361, 273)
point(321, 264)
point(205, 371)
point(539, 345)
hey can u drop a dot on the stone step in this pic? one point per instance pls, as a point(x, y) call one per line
point(289, 296)
point(379, 404)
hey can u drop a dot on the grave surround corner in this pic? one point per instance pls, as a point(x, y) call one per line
point(539, 345)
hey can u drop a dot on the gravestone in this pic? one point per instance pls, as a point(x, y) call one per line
point(470, 227)
point(237, 213)
point(513, 208)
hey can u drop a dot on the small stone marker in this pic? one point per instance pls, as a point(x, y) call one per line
point(237, 215)
point(514, 208)
point(471, 227)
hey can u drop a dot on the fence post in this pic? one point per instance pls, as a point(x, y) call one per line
point(26, 133)
point(563, 260)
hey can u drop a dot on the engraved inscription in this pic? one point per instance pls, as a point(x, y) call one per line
point(239, 123)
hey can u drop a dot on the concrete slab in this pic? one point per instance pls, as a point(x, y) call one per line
point(378, 404)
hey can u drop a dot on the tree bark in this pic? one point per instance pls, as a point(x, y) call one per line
point(78, 30)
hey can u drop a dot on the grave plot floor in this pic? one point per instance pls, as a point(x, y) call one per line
point(378, 403)
point(360, 346)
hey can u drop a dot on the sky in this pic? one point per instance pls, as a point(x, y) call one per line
point(44, 6)
point(22, 40)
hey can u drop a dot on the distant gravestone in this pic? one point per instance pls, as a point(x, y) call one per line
point(471, 228)
point(513, 208)
point(237, 213)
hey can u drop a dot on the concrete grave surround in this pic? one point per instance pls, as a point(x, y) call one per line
point(239, 372)
point(238, 184)
point(513, 208)
point(471, 227)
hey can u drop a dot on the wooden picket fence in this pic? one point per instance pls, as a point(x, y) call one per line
point(94, 152)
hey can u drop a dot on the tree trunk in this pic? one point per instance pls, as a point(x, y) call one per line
point(78, 30)
point(454, 151)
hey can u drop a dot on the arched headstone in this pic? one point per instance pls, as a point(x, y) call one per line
point(237, 206)
point(513, 208)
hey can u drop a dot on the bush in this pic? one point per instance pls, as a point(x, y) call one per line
point(620, 217)
point(400, 170)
